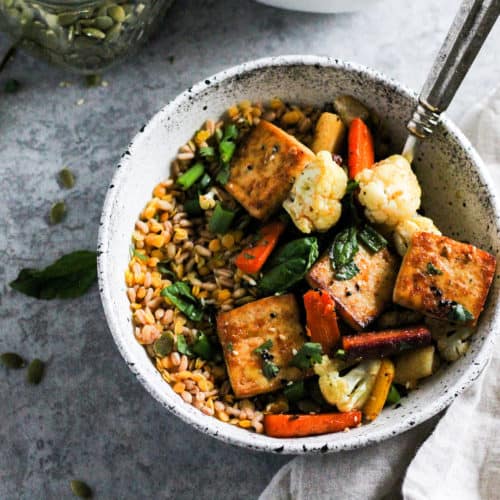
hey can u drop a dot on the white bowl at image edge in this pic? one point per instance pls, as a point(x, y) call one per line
point(458, 195)
point(321, 6)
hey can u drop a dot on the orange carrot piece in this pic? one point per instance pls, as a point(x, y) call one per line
point(285, 426)
point(321, 319)
point(360, 154)
point(251, 259)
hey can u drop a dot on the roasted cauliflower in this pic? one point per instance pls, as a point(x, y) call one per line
point(350, 391)
point(314, 201)
point(389, 191)
point(453, 341)
point(404, 231)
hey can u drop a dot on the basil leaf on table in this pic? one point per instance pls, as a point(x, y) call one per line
point(289, 265)
point(180, 295)
point(68, 277)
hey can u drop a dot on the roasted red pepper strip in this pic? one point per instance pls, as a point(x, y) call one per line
point(321, 319)
point(385, 343)
point(283, 426)
point(360, 151)
point(251, 259)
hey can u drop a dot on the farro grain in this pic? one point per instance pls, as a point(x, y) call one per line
point(188, 155)
point(186, 396)
point(131, 294)
point(184, 363)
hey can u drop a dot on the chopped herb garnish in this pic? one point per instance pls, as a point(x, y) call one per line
point(295, 391)
point(248, 256)
point(269, 369)
point(351, 186)
point(182, 346)
point(230, 132)
point(221, 219)
point(207, 152)
point(433, 270)
point(68, 277)
point(229, 347)
point(372, 238)
point(192, 207)
point(308, 354)
point(163, 268)
point(188, 178)
point(180, 295)
point(226, 150)
point(459, 314)
point(202, 347)
point(393, 397)
point(265, 346)
point(223, 175)
point(140, 255)
point(205, 181)
point(340, 353)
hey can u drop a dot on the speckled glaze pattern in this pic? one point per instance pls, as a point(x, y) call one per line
point(458, 195)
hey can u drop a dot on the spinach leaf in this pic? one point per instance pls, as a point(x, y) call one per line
point(180, 295)
point(68, 277)
point(289, 265)
point(372, 238)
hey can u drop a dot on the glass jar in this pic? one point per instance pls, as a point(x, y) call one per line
point(83, 35)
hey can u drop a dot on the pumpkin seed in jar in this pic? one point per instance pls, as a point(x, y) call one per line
point(57, 212)
point(117, 12)
point(67, 18)
point(94, 33)
point(164, 345)
point(81, 489)
point(114, 32)
point(35, 371)
point(12, 360)
point(103, 22)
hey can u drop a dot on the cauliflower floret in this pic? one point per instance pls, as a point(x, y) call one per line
point(389, 191)
point(350, 391)
point(452, 341)
point(314, 201)
point(407, 228)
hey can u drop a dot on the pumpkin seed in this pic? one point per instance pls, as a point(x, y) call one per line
point(67, 18)
point(114, 32)
point(81, 489)
point(12, 360)
point(117, 12)
point(57, 212)
point(93, 80)
point(103, 22)
point(94, 33)
point(35, 371)
point(66, 178)
point(164, 345)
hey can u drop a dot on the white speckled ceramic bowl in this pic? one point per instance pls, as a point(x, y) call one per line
point(458, 195)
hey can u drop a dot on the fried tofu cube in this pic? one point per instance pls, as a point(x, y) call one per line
point(362, 298)
point(439, 274)
point(264, 169)
point(244, 329)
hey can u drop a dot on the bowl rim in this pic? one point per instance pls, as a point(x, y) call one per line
point(210, 425)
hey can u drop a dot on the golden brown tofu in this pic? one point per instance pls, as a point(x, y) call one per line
point(439, 273)
point(246, 328)
point(264, 169)
point(362, 298)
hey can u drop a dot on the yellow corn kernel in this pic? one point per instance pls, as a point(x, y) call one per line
point(201, 136)
point(199, 363)
point(166, 376)
point(139, 278)
point(246, 424)
point(222, 415)
point(156, 282)
point(149, 211)
point(183, 375)
point(134, 306)
point(129, 278)
point(245, 104)
point(157, 254)
point(228, 241)
point(214, 245)
point(152, 261)
point(154, 226)
point(179, 387)
point(164, 216)
point(178, 327)
point(291, 117)
point(276, 103)
point(223, 295)
point(141, 293)
point(150, 319)
point(159, 191)
point(166, 363)
point(203, 294)
point(238, 235)
point(196, 291)
point(155, 240)
point(178, 270)
point(180, 234)
point(233, 112)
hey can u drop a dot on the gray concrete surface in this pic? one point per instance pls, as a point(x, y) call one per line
point(90, 418)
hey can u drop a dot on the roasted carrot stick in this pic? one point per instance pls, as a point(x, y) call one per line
point(385, 343)
point(284, 426)
point(251, 259)
point(321, 319)
point(360, 152)
point(380, 391)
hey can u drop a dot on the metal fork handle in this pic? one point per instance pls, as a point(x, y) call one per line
point(466, 36)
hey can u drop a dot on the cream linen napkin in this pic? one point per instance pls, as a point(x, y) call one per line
point(460, 459)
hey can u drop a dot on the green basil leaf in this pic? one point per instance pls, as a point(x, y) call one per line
point(347, 271)
point(344, 247)
point(309, 354)
point(459, 314)
point(163, 268)
point(207, 152)
point(180, 295)
point(393, 397)
point(372, 238)
point(295, 391)
point(183, 347)
point(203, 348)
point(68, 277)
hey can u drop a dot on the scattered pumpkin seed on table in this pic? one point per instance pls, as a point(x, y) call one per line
point(12, 86)
point(66, 178)
point(35, 371)
point(80, 489)
point(58, 212)
point(12, 360)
